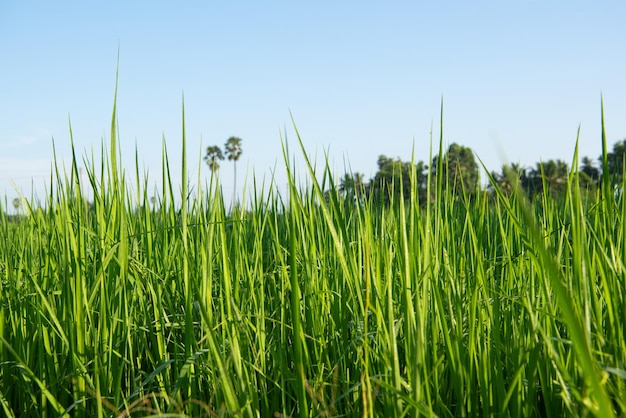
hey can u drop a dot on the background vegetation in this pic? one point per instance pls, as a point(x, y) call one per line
point(462, 175)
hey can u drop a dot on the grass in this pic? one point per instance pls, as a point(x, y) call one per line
point(308, 304)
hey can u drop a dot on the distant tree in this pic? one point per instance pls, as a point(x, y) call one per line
point(213, 155)
point(615, 160)
point(459, 168)
point(508, 176)
point(394, 178)
point(554, 173)
point(421, 177)
point(17, 203)
point(589, 174)
point(352, 186)
point(233, 152)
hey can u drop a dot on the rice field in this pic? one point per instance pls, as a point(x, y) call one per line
point(307, 304)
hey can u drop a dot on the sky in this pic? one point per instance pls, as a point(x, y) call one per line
point(517, 79)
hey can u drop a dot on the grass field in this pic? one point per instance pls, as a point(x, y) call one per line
point(305, 304)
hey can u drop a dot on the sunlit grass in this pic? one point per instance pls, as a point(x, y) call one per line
point(307, 304)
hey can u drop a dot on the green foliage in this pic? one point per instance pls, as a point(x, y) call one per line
point(589, 175)
point(395, 179)
point(615, 162)
point(398, 180)
point(509, 177)
point(233, 152)
point(320, 304)
point(213, 156)
point(551, 175)
point(352, 187)
point(233, 148)
point(460, 169)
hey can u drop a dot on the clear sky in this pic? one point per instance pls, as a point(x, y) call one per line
point(361, 78)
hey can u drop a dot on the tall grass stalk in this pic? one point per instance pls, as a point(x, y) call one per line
point(311, 304)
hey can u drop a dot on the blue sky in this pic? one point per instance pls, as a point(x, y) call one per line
point(361, 79)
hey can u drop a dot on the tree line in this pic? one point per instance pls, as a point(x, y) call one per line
point(233, 150)
point(460, 172)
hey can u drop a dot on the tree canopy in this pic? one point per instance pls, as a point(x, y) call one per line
point(233, 152)
point(212, 157)
point(393, 179)
point(615, 160)
point(460, 169)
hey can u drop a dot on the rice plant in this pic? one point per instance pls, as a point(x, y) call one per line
point(308, 304)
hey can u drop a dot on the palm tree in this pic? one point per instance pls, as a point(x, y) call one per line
point(233, 152)
point(615, 160)
point(16, 204)
point(510, 176)
point(213, 154)
point(589, 174)
point(352, 186)
point(554, 173)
